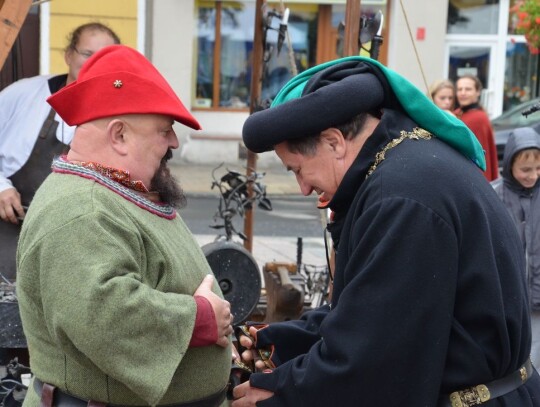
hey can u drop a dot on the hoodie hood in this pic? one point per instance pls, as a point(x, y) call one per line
point(519, 139)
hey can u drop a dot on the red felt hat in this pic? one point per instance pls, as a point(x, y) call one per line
point(118, 80)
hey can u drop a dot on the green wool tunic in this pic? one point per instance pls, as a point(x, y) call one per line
point(105, 289)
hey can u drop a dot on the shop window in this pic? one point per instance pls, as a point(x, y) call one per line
point(521, 79)
point(297, 53)
point(521, 76)
point(473, 16)
point(512, 19)
point(369, 8)
point(224, 45)
point(205, 40)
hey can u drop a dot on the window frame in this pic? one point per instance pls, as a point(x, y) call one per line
point(324, 48)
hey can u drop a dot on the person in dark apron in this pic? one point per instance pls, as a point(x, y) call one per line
point(26, 181)
point(24, 106)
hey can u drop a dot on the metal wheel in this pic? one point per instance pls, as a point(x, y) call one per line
point(238, 276)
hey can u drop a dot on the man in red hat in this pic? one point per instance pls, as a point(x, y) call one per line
point(32, 133)
point(128, 313)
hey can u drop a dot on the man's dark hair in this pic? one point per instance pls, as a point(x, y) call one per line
point(308, 145)
point(75, 36)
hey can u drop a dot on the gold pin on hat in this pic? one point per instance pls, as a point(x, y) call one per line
point(118, 83)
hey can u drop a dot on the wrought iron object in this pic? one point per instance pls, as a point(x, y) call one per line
point(237, 274)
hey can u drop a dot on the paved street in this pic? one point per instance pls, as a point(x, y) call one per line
point(294, 217)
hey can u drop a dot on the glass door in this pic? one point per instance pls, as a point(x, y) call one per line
point(522, 75)
point(475, 59)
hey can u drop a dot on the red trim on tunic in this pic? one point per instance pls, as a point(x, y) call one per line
point(121, 176)
point(205, 330)
point(63, 166)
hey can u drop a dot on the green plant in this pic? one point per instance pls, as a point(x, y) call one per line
point(528, 22)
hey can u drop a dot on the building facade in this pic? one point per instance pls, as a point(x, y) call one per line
point(205, 49)
point(423, 41)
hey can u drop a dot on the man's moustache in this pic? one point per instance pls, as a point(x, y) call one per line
point(168, 155)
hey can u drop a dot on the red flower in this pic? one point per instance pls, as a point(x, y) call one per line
point(515, 7)
point(528, 22)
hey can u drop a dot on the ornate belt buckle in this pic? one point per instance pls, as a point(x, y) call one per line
point(470, 397)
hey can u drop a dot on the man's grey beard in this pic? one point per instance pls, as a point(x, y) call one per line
point(167, 186)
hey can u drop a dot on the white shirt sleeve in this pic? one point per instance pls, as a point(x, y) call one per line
point(23, 109)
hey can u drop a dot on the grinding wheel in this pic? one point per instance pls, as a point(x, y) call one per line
point(238, 276)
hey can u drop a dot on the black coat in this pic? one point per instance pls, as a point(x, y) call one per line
point(429, 292)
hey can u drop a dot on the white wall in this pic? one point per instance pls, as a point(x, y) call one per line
point(430, 15)
point(218, 141)
point(173, 25)
point(171, 49)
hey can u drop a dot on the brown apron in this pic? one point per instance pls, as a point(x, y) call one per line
point(27, 180)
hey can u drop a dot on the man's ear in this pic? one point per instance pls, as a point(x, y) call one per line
point(334, 140)
point(115, 132)
point(68, 55)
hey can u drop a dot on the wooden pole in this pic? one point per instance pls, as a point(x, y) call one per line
point(12, 16)
point(352, 28)
point(256, 87)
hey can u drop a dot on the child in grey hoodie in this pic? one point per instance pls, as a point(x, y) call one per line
point(519, 189)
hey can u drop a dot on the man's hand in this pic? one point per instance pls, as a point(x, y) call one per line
point(10, 206)
point(245, 395)
point(222, 310)
point(251, 354)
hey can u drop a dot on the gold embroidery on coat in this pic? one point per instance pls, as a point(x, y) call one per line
point(416, 134)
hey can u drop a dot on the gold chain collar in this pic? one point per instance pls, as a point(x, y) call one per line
point(416, 134)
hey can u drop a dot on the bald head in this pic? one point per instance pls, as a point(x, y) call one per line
point(95, 141)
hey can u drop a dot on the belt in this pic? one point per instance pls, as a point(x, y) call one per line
point(52, 396)
point(482, 393)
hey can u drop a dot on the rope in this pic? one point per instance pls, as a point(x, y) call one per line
point(292, 62)
point(414, 45)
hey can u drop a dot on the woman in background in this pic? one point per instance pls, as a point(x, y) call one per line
point(468, 90)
